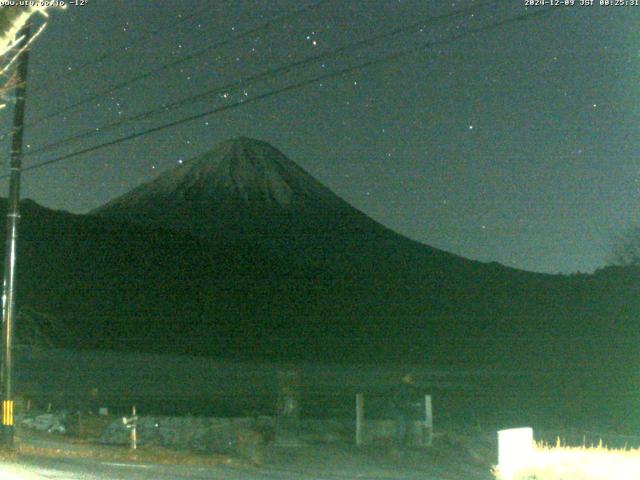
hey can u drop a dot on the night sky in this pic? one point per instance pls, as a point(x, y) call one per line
point(517, 144)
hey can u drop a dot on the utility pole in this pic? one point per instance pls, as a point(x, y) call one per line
point(13, 215)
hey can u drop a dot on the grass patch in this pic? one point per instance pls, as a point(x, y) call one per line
point(576, 463)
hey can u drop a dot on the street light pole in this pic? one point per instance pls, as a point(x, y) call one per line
point(13, 215)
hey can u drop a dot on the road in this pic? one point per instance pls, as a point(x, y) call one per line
point(52, 458)
point(50, 469)
point(38, 468)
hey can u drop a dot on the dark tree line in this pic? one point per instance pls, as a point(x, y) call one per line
point(626, 248)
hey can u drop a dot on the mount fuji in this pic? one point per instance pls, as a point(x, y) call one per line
point(245, 190)
point(240, 253)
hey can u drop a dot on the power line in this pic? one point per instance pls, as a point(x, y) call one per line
point(161, 68)
point(296, 86)
point(260, 76)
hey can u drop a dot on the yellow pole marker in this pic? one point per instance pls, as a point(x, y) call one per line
point(7, 412)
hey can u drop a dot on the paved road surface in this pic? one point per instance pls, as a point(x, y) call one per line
point(74, 469)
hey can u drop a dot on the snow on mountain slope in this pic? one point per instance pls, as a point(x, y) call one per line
point(242, 186)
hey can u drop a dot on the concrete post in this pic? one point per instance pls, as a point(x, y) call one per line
point(288, 407)
point(428, 418)
point(359, 419)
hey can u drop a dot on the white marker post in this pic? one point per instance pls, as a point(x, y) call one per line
point(131, 424)
point(134, 429)
point(515, 450)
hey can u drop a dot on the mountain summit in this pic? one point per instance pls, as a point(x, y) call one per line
point(243, 186)
point(241, 170)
